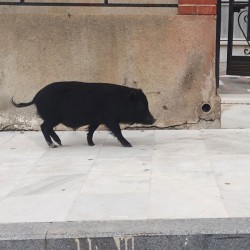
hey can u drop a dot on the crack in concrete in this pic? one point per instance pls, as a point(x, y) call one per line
point(171, 126)
point(10, 128)
point(46, 248)
point(3, 128)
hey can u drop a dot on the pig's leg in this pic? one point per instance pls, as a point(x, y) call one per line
point(116, 130)
point(46, 128)
point(55, 137)
point(92, 128)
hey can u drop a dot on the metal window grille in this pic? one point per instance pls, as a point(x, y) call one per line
point(82, 3)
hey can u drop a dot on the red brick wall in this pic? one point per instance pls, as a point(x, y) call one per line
point(197, 7)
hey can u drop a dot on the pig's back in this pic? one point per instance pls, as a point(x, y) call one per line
point(78, 103)
point(63, 89)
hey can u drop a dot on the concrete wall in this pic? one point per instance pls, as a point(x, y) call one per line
point(171, 57)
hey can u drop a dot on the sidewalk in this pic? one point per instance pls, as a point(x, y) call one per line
point(167, 174)
point(234, 92)
point(174, 189)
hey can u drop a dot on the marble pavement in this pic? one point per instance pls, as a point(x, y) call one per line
point(167, 174)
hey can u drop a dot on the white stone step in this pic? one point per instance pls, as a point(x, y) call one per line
point(235, 111)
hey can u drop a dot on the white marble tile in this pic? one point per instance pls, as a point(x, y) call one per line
point(235, 98)
point(164, 136)
point(185, 195)
point(75, 146)
point(162, 163)
point(119, 152)
point(140, 138)
point(36, 208)
point(104, 184)
point(73, 151)
point(6, 135)
point(62, 166)
point(12, 173)
point(47, 185)
point(234, 180)
point(230, 163)
point(166, 174)
point(74, 138)
point(23, 145)
point(7, 186)
point(205, 133)
point(143, 139)
point(183, 205)
point(235, 116)
point(1, 198)
point(235, 190)
point(120, 167)
point(12, 162)
point(179, 144)
point(237, 201)
point(227, 143)
point(203, 183)
point(109, 207)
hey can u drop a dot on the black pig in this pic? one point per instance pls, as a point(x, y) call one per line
point(76, 104)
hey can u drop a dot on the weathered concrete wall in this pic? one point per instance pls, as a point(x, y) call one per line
point(170, 57)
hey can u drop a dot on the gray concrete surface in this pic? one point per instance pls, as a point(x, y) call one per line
point(193, 234)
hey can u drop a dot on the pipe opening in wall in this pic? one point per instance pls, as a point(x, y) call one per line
point(206, 108)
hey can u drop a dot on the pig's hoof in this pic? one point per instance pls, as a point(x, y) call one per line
point(91, 143)
point(52, 145)
point(59, 144)
point(127, 144)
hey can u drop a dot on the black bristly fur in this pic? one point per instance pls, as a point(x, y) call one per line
point(76, 104)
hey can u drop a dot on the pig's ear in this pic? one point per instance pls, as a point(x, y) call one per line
point(132, 96)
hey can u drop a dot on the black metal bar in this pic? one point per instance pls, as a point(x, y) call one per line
point(105, 4)
point(230, 35)
point(238, 6)
point(248, 20)
point(240, 65)
point(236, 3)
point(242, 31)
point(218, 31)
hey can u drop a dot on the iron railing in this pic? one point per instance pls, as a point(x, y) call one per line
point(105, 3)
point(238, 65)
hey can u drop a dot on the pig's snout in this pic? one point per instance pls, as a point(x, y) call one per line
point(149, 119)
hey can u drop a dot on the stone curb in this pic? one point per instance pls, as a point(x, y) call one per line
point(193, 234)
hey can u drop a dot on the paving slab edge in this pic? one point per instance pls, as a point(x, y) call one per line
point(235, 99)
point(221, 233)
